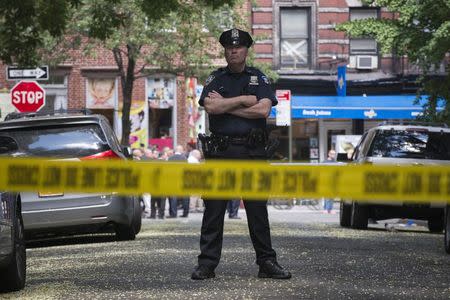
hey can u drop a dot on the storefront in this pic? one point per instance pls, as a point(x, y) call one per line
point(316, 119)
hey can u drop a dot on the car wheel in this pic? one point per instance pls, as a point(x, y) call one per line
point(359, 216)
point(13, 275)
point(447, 230)
point(436, 224)
point(137, 216)
point(125, 232)
point(345, 214)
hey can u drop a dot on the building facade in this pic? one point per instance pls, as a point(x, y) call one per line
point(298, 38)
point(299, 41)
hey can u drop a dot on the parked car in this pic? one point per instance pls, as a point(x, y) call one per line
point(74, 136)
point(399, 144)
point(447, 229)
point(12, 246)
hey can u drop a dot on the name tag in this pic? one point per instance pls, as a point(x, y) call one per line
point(253, 80)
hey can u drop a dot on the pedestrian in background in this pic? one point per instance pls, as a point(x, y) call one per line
point(137, 154)
point(173, 201)
point(238, 99)
point(328, 203)
point(158, 204)
point(195, 202)
point(233, 208)
point(146, 197)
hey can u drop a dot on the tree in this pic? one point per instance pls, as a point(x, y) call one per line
point(25, 23)
point(421, 31)
point(170, 35)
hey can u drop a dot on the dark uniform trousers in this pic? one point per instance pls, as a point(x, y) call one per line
point(213, 221)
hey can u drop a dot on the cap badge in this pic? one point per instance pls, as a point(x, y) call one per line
point(234, 34)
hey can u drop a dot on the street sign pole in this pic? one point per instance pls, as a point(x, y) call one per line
point(284, 114)
point(290, 131)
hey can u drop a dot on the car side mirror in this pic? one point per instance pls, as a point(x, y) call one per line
point(127, 152)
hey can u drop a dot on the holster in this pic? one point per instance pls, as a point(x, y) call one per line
point(213, 144)
point(271, 147)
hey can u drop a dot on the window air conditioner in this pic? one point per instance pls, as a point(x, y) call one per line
point(366, 62)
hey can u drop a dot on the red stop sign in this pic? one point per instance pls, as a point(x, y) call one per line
point(28, 96)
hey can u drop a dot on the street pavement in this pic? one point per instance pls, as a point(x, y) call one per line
point(326, 261)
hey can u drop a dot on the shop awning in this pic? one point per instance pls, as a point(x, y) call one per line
point(356, 107)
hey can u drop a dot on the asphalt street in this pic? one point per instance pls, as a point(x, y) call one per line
point(327, 262)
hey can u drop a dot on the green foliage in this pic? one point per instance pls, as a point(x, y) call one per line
point(421, 31)
point(24, 25)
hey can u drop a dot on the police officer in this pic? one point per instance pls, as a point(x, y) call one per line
point(238, 100)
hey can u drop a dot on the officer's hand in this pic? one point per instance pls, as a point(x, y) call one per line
point(214, 95)
point(249, 100)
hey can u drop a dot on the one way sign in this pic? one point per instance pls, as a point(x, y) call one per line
point(37, 73)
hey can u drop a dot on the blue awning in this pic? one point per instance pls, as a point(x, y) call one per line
point(356, 107)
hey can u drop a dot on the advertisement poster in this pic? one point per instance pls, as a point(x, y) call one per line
point(161, 92)
point(101, 93)
point(138, 126)
point(194, 116)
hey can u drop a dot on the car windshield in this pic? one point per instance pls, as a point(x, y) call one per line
point(74, 140)
point(411, 144)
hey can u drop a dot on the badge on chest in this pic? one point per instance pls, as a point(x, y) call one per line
point(253, 80)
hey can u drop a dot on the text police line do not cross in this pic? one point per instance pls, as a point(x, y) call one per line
point(248, 179)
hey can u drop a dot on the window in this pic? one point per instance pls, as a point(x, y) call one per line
point(363, 45)
point(295, 37)
point(411, 144)
point(55, 92)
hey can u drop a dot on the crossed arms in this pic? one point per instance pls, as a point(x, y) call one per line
point(245, 106)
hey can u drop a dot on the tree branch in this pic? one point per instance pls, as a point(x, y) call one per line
point(119, 61)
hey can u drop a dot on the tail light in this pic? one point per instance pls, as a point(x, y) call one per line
point(102, 155)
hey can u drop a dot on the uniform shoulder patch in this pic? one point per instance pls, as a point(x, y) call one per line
point(265, 79)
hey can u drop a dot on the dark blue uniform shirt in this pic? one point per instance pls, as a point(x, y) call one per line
point(250, 82)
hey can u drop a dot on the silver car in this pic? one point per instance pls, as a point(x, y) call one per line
point(71, 136)
point(399, 144)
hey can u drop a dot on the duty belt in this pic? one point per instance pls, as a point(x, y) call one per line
point(238, 140)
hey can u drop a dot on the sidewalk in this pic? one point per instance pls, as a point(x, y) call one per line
point(297, 214)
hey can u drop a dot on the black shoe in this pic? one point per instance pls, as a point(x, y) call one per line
point(202, 272)
point(183, 216)
point(171, 217)
point(271, 269)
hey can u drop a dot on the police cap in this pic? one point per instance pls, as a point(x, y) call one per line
point(235, 37)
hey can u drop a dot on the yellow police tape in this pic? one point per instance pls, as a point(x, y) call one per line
point(230, 179)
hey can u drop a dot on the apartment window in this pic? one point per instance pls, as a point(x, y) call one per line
point(362, 45)
point(295, 37)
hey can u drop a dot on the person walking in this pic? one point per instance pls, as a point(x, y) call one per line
point(328, 203)
point(233, 208)
point(195, 201)
point(238, 99)
point(173, 201)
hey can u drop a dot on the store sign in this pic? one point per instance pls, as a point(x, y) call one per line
point(283, 109)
